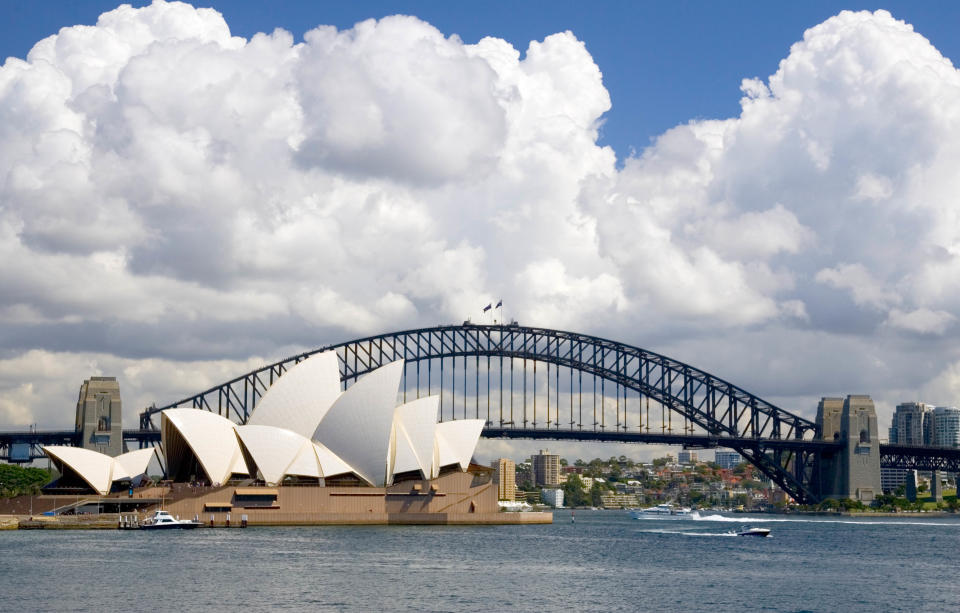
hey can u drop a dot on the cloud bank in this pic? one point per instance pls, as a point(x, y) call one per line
point(178, 204)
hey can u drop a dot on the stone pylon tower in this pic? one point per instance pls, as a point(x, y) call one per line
point(99, 416)
point(853, 470)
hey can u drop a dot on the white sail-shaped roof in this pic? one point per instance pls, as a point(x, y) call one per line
point(132, 464)
point(305, 463)
point(95, 468)
point(415, 425)
point(359, 425)
point(209, 436)
point(330, 463)
point(456, 441)
point(278, 452)
point(299, 399)
point(99, 470)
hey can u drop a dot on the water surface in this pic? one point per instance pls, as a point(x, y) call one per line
point(605, 561)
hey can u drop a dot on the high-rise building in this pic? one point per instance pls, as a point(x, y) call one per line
point(546, 469)
point(727, 459)
point(99, 418)
point(687, 457)
point(945, 427)
point(505, 472)
point(554, 498)
point(911, 424)
point(916, 423)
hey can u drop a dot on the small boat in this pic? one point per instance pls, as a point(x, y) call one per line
point(762, 532)
point(162, 520)
point(663, 511)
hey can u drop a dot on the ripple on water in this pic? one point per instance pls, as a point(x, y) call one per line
point(606, 561)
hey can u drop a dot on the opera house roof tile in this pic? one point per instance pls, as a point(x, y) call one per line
point(97, 470)
point(415, 427)
point(456, 441)
point(299, 399)
point(209, 437)
point(359, 425)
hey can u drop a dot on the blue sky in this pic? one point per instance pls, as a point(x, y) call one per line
point(664, 63)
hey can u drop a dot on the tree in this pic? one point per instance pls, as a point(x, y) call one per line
point(17, 481)
point(574, 492)
point(596, 491)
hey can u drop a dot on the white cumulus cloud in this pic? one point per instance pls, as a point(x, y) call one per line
point(175, 199)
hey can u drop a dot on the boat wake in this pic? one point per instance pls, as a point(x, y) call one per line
point(686, 533)
point(756, 520)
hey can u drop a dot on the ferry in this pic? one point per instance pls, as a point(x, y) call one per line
point(162, 520)
point(663, 511)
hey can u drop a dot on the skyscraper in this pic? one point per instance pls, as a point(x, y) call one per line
point(506, 475)
point(945, 427)
point(546, 469)
point(911, 424)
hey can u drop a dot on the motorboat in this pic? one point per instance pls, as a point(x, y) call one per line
point(663, 511)
point(162, 520)
point(762, 532)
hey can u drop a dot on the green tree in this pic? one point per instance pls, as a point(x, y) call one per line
point(574, 492)
point(17, 481)
point(597, 490)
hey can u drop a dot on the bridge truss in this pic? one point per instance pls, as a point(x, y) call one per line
point(914, 457)
point(532, 383)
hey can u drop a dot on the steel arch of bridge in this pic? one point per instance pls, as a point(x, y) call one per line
point(778, 442)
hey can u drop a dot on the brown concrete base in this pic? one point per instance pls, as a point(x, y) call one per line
point(456, 498)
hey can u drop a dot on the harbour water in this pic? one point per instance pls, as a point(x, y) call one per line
point(604, 561)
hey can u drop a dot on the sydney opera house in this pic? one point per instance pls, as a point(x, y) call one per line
point(310, 453)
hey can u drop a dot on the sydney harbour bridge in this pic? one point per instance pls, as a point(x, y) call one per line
point(538, 383)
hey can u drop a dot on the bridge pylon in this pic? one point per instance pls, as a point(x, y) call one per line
point(852, 469)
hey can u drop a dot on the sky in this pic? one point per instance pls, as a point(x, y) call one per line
point(764, 191)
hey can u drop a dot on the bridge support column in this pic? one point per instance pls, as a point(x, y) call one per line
point(936, 490)
point(853, 471)
point(911, 489)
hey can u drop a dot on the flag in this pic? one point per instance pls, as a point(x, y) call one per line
point(487, 308)
point(499, 304)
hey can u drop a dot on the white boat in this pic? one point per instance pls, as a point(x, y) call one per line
point(162, 520)
point(663, 511)
point(514, 507)
point(762, 532)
